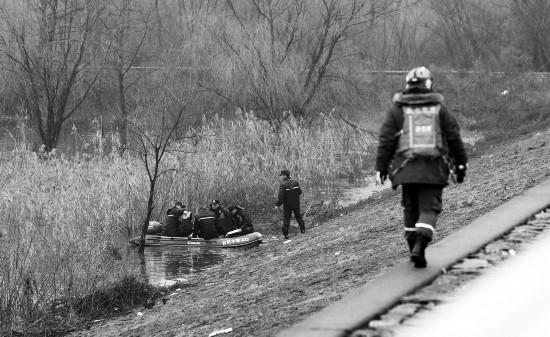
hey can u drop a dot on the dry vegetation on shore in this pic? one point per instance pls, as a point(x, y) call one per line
point(275, 285)
point(61, 214)
point(305, 79)
point(65, 219)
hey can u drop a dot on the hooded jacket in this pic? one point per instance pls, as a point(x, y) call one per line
point(418, 170)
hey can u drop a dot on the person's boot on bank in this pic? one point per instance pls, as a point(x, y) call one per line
point(419, 146)
point(289, 197)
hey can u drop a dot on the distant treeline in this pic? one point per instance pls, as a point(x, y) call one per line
point(66, 59)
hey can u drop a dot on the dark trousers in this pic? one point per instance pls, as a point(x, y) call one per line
point(422, 204)
point(287, 215)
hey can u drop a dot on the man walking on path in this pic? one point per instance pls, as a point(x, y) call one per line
point(289, 197)
point(420, 142)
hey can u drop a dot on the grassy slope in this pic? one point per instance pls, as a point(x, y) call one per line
point(276, 285)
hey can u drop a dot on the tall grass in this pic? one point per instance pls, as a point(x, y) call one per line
point(64, 220)
point(238, 161)
point(58, 220)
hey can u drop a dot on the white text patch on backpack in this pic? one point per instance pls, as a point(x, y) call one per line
point(421, 133)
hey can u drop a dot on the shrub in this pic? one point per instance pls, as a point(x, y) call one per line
point(121, 295)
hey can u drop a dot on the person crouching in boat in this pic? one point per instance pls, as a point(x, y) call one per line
point(172, 220)
point(205, 224)
point(241, 221)
point(186, 223)
point(223, 218)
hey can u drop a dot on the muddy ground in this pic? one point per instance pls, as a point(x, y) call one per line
point(270, 287)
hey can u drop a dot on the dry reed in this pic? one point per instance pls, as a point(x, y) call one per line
point(64, 220)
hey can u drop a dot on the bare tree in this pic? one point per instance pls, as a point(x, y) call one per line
point(48, 43)
point(283, 52)
point(470, 31)
point(389, 41)
point(159, 132)
point(126, 28)
point(159, 24)
point(534, 16)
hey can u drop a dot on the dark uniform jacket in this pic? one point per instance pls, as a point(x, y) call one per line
point(186, 224)
point(418, 170)
point(172, 221)
point(242, 220)
point(223, 220)
point(289, 194)
point(205, 225)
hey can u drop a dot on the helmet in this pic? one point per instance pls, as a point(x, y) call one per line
point(419, 76)
point(285, 173)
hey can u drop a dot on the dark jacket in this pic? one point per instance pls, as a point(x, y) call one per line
point(289, 194)
point(418, 170)
point(172, 221)
point(175, 211)
point(186, 224)
point(242, 220)
point(205, 225)
point(224, 222)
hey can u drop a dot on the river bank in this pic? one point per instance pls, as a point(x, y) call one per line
point(167, 266)
point(277, 284)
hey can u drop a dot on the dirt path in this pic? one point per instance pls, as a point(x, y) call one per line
point(275, 285)
point(448, 287)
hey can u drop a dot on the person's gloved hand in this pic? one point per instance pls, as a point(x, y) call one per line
point(381, 177)
point(460, 172)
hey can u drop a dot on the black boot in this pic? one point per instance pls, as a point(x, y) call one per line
point(418, 253)
point(411, 240)
point(302, 228)
point(286, 226)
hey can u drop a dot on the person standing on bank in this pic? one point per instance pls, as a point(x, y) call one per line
point(289, 197)
point(420, 142)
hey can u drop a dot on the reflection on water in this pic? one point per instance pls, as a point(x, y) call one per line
point(165, 265)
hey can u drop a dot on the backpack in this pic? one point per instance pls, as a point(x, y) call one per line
point(421, 134)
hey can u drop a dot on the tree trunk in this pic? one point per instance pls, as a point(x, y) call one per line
point(159, 24)
point(49, 131)
point(122, 124)
point(148, 216)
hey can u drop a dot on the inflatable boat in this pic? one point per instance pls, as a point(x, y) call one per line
point(232, 242)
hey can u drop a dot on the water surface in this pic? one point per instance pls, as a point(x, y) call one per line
point(166, 265)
